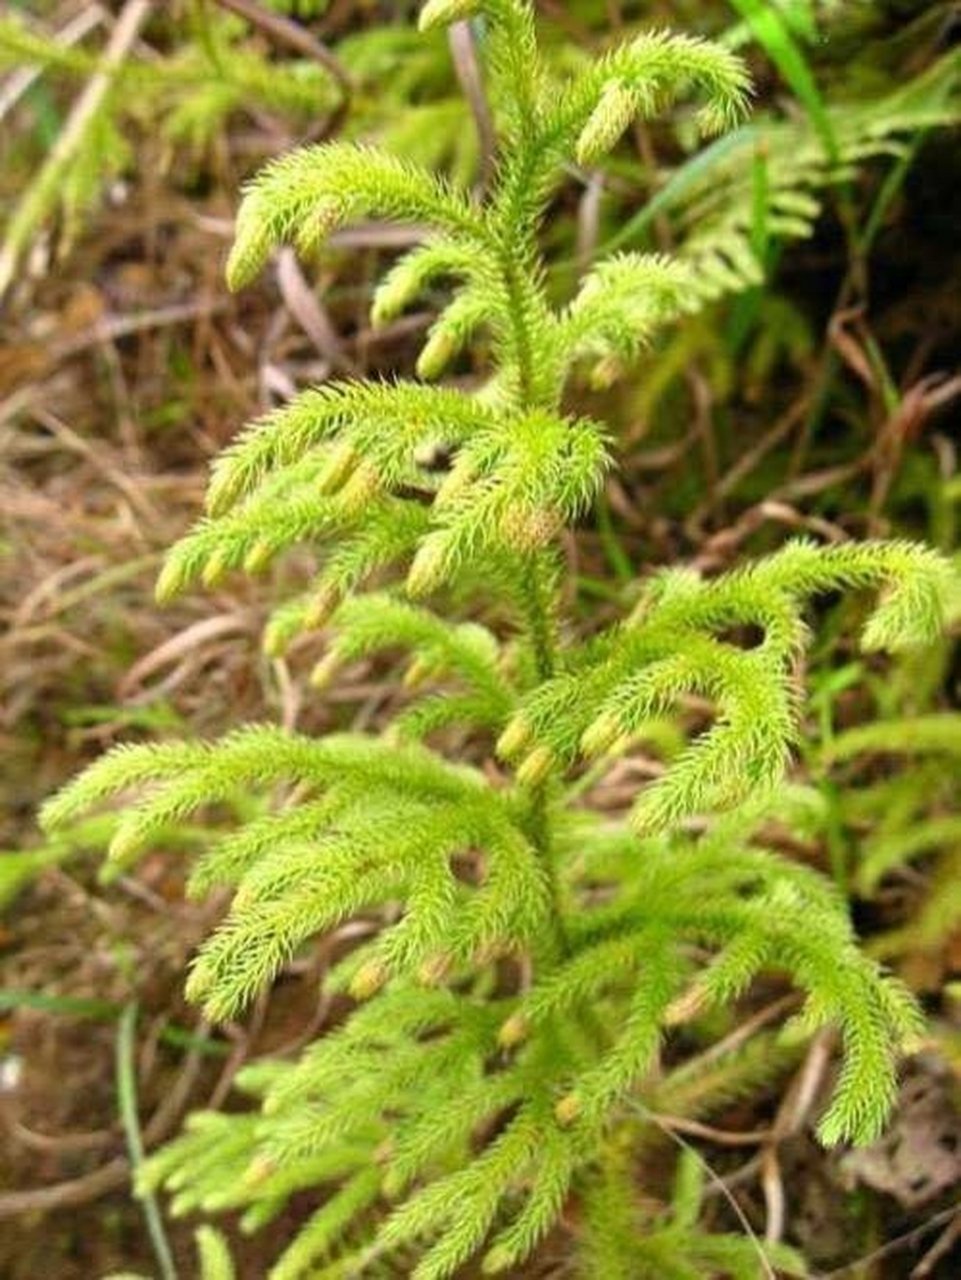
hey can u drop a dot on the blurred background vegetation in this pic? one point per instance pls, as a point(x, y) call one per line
point(814, 387)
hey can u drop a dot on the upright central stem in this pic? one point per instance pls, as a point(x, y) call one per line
point(521, 338)
point(535, 589)
point(538, 618)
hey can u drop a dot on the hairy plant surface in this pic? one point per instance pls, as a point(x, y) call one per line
point(514, 1006)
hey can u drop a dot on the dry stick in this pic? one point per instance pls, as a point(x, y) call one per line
point(747, 463)
point(588, 220)
point(910, 1238)
point(722, 1137)
point(463, 49)
point(718, 548)
point(293, 35)
point(95, 1140)
point(702, 401)
point(102, 331)
point(110, 328)
point(379, 235)
point(67, 1195)
point(32, 205)
point(99, 458)
point(722, 1187)
point(306, 308)
point(115, 1174)
point(772, 1184)
point(790, 1119)
point(919, 402)
point(742, 1033)
point(182, 644)
point(939, 1250)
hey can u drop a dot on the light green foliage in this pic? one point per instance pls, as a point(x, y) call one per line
point(213, 1255)
point(20, 867)
point(672, 645)
point(307, 194)
point(183, 82)
point(625, 1244)
point(767, 182)
point(192, 91)
point(899, 799)
point(213, 1258)
point(508, 1054)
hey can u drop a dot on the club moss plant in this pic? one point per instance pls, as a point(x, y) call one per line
point(534, 957)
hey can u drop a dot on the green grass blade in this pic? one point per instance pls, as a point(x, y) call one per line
point(773, 34)
point(127, 1101)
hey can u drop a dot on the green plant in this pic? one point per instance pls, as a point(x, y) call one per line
point(20, 867)
point(506, 1056)
point(893, 791)
point(210, 72)
point(213, 1258)
point(185, 86)
point(901, 815)
point(732, 205)
point(892, 817)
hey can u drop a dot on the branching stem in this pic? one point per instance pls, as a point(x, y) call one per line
point(521, 338)
point(535, 591)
